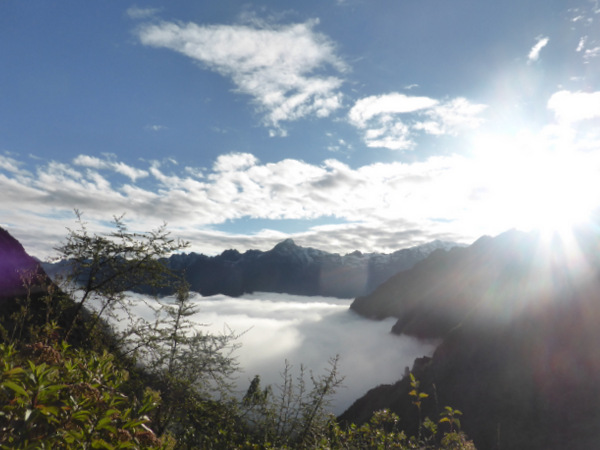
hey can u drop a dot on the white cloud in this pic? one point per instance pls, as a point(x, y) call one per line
point(570, 107)
point(377, 207)
point(9, 164)
point(234, 161)
point(393, 120)
point(90, 161)
point(452, 116)
point(155, 127)
point(93, 162)
point(534, 53)
point(394, 135)
point(591, 53)
point(132, 173)
point(367, 108)
point(282, 67)
point(138, 13)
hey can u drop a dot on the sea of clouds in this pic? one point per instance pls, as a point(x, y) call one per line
point(307, 331)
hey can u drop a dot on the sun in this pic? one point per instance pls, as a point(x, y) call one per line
point(559, 192)
point(533, 186)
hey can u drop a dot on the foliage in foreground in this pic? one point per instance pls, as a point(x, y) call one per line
point(170, 385)
point(54, 396)
point(295, 414)
point(384, 432)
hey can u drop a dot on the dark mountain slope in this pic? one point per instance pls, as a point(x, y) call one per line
point(289, 268)
point(22, 282)
point(18, 269)
point(520, 317)
point(493, 280)
point(16, 266)
point(25, 285)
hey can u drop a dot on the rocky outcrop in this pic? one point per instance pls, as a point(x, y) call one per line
point(23, 284)
point(29, 299)
point(17, 268)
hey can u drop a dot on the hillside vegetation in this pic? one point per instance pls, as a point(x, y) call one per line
point(67, 380)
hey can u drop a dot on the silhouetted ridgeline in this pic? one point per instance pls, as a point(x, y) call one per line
point(23, 281)
point(519, 315)
point(15, 266)
point(289, 268)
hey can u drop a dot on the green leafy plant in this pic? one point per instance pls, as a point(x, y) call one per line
point(450, 416)
point(52, 396)
point(417, 398)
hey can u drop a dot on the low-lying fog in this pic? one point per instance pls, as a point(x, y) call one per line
point(308, 331)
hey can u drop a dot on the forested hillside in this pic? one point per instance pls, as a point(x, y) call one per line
point(68, 380)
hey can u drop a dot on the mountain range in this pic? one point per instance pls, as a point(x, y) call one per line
point(516, 318)
point(291, 269)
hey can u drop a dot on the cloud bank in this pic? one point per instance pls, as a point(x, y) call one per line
point(570, 107)
point(307, 331)
point(380, 206)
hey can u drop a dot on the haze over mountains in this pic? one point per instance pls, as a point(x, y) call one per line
point(517, 316)
point(291, 269)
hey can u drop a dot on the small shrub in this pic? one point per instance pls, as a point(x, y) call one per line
point(52, 396)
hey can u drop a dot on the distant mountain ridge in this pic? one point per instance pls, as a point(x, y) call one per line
point(292, 269)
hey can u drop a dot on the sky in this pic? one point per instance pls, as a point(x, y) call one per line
point(306, 331)
point(343, 124)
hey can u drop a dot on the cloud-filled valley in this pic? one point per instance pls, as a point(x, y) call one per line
point(305, 331)
point(344, 127)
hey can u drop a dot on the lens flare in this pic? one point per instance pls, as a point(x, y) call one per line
point(530, 185)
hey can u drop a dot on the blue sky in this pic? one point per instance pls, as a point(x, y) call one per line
point(369, 125)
